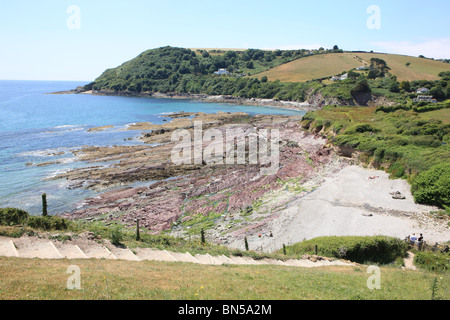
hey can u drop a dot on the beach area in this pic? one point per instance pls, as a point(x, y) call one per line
point(316, 191)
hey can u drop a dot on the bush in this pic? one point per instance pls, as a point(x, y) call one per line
point(47, 223)
point(116, 236)
point(378, 249)
point(434, 261)
point(361, 128)
point(432, 186)
point(12, 216)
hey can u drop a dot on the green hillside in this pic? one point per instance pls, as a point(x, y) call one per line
point(167, 69)
point(255, 73)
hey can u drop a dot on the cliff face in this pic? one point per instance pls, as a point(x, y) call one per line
point(317, 100)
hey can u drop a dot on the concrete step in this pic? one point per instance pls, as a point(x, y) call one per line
point(224, 259)
point(295, 263)
point(341, 263)
point(154, 255)
point(238, 260)
point(40, 248)
point(208, 259)
point(308, 263)
point(37, 249)
point(70, 251)
point(251, 261)
point(123, 253)
point(326, 263)
point(183, 257)
point(7, 248)
point(274, 262)
point(97, 251)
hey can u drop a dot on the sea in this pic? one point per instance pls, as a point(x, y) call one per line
point(40, 128)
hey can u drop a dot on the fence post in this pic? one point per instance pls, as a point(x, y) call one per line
point(138, 236)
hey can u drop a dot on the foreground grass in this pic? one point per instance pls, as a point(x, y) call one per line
point(106, 279)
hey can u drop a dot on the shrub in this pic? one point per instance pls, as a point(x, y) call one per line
point(116, 236)
point(396, 170)
point(12, 216)
point(432, 186)
point(47, 223)
point(378, 249)
point(434, 261)
point(361, 128)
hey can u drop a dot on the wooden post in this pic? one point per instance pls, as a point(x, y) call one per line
point(44, 204)
point(202, 234)
point(138, 236)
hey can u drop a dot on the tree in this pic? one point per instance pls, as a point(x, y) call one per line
point(408, 64)
point(335, 47)
point(353, 75)
point(394, 87)
point(246, 243)
point(406, 86)
point(205, 54)
point(438, 93)
point(361, 87)
point(264, 79)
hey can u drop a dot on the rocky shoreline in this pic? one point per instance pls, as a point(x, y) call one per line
point(235, 201)
point(314, 101)
point(291, 105)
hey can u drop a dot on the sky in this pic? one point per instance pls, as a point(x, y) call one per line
point(77, 39)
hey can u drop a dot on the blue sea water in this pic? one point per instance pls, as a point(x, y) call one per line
point(37, 127)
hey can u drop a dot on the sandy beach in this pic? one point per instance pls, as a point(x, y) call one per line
point(349, 203)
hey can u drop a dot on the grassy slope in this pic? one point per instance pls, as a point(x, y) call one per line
point(314, 67)
point(420, 69)
point(327, 65)
point(109, 279)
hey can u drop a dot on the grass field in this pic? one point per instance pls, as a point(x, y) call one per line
point(112, 279)
point(420, 69)
point(327, 65)
point(314, 67)
point(442, 115)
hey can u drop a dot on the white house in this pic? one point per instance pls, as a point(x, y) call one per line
point(221, 71)
point(422, 90)
point(336, 78)
point(362, 68)
point(425, 99)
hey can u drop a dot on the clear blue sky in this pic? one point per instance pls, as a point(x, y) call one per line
point(37, 43)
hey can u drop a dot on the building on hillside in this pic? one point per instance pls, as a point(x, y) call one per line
point(425, 99)
point(362, 68)
point(221, 71)
point(422, 90)
point(336, 78)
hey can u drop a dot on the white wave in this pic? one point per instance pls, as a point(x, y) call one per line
point(69, 126)
point(45, 152)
